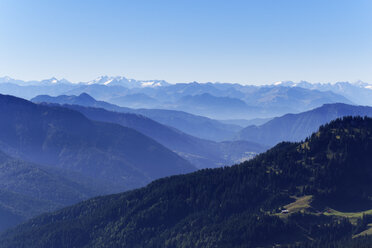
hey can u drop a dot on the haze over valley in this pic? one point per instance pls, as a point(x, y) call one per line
point(84, 147)
point(185, 124)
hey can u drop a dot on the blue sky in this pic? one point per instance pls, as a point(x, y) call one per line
point(251, 41)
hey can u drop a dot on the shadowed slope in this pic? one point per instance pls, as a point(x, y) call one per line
point(65, 138)
point(296, 127)
point(227, 207)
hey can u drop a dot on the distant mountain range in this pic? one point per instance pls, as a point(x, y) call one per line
point(64, 138)
point(218, 101)
point(214, 100)
point(103, 80)
point(296, 127)
point(246, 123)
point(311, 194)
point(359, 92)
point(200, 152)
point(127, 83)
point(194, 125)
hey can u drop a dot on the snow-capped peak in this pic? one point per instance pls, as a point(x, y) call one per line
point(53, 80)
point(100, 80)
point(155, 83)
point(128, 83)
point(49, 81)
point(6, 79)
point(285, 83)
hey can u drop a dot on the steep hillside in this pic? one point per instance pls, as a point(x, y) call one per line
point(296, 127)
point(65, 138)
point(323, 183)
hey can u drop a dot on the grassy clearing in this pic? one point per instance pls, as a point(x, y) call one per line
point(348, 214)
point(301, 204)
point(352, 216)
point(365, 232)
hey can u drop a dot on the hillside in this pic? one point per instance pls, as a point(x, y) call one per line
point(64, 138)
point(199, 152)
point(28, 190)
point(324, 183)
point(194, 125)
point(296, 127)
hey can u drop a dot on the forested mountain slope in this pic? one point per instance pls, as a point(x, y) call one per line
point(28, 189)
point(296, 127)
point(201, 153)
point(198, 126)
point(317, 181)
point(64, 138)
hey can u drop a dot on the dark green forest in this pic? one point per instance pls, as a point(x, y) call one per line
point(316, 193)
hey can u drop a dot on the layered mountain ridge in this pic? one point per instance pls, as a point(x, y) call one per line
point(194, 125)
point(214, 100)
point(318, 183)
point(61, 137)
point(201, 153)
point(296, 127)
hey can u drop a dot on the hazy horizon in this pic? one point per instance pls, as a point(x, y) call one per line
point(159, 79)
point(247, 42)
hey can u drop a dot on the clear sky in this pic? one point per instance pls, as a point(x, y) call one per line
point(248, 41)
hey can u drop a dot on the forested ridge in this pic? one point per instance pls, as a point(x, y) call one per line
point(104, 152)
point(323, 184)
point(28, 189)
point(296, 127)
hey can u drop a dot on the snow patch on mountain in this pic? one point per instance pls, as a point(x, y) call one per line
point(127, 83)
